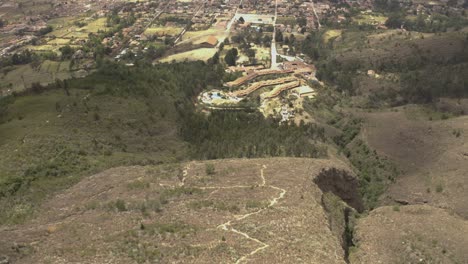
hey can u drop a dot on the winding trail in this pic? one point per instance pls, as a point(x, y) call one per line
point(228, 225)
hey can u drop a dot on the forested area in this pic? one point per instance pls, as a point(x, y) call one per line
point(225, 134)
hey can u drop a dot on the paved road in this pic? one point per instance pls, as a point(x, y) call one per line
point(274, 52)
point(229, 25)
point(316, 16)
point(187, 26)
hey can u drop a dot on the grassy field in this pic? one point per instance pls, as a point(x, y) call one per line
point(58, 41)
point(370, 19)
point(54, 134)
point(262, 53)
point(198, 54)
point(96, 25)
point(163, 31)
point(286, 20)
point(332, 33)
point(198, 37)
point(64, 28)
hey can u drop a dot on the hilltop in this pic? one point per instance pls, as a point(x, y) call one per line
point(225, 210)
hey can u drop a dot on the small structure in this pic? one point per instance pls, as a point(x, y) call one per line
point(305, 91)
point(211, 40)
point(298, 66)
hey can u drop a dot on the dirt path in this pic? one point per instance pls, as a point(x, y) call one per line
point(228, 225)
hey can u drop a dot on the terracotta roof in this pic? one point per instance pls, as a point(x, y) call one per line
point(212, 40)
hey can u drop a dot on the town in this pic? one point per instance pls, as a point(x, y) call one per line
point(260, 42)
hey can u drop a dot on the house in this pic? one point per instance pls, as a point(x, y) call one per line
point(305, 91)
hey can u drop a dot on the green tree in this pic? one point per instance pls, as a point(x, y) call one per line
point(67, 52)
point(231, 57)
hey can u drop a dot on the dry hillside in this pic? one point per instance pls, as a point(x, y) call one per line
point(224, 211)
point(411, 234)
point(432, 154)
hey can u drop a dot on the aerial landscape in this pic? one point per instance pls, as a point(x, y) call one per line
point(233, 131)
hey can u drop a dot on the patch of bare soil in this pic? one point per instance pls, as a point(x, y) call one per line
point(433, 156)
point(238, 211)
point(411, 234)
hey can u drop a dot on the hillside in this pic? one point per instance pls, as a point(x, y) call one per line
point(431, 152)
point(410, 234)
point(256, 210)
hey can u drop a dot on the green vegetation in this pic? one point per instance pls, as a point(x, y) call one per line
point(176, 192)
point(138, 185)
point(225, 134)
point(51, 139)
point(375, 173)
point(231, 56)
point(210, 169)
point(215, 205)
point(136, 245)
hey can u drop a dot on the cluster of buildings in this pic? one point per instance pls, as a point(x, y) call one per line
point(23, 22)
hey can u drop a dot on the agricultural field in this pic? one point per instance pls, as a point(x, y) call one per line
point(18, 78)
point(370, 19)
point(54, 47)
point(161, 31)
point(31, 8)
point(197, 54)
point(65, 28)
point(286, 20)
point(197, 37)
point(94, 26)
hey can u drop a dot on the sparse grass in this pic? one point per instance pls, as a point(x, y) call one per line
point(150, 205)
point(138, 185)
point(179, 228)
point(439, 188)
point(137, 246)
point(254, 204)
point(168, 194)
point(93, 205)
point(426, 112)
point(215, 205)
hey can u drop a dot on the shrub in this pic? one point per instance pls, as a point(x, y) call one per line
point(120, 205)
point(210, 169)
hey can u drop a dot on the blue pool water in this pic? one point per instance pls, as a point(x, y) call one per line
point(215, 96)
